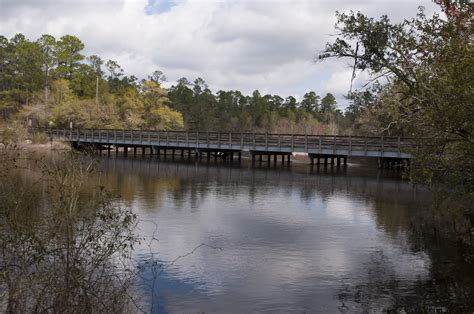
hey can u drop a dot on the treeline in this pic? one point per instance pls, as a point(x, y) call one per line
point(233, 111)
point(52, 83)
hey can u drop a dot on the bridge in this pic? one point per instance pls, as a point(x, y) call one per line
point(327, 149)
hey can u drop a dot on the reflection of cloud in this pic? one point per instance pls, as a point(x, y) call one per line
point(342, 208)
point(276, 248)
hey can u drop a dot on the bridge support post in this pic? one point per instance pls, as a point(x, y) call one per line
point(182, 153)
point(173, 153)
point(231, 155)
point(143, 150)
point(240, 156)
point(151, 150)
point(338, 161)
point(268, 158)
point(125, 150)
point(325, 161)
point(134, 151)
point(345, 161)
point(260, 158)
point(116, 150)
point(289, 158)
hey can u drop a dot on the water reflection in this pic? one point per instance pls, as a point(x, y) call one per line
point(293, 238)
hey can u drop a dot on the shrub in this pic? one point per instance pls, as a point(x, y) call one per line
point(40, 138)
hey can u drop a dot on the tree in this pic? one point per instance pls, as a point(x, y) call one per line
point(328, 106)
point(114, 69)
point(157, 113)
point(68, 55)
point(158, 77)
point(95, 62)
point(310, 102)
point(69, 252)
point(48, 46)
point(27, 60)
point(427, 63)
point(290, 103)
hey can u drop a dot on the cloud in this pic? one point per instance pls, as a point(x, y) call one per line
point(242, 45)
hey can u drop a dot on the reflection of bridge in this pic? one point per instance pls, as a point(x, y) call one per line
point(319, 148)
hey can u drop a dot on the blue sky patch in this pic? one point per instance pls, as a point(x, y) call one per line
point(158, 6)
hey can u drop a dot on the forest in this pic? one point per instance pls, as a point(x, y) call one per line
point(52, 83)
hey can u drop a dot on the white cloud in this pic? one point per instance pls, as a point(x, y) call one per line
point(245, 45)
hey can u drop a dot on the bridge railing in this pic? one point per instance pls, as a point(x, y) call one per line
point(271, 141)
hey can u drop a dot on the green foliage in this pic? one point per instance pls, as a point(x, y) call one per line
point(427, 62)
point(40, 138)
point(8, 135)
point(67, 54)
point(234, 112)
point(51, 83)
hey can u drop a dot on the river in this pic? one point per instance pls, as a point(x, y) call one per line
point(232, 237)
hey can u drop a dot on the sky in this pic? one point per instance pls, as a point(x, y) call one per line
point(269, 45)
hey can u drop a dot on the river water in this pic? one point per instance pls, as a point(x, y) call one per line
point(232, 237)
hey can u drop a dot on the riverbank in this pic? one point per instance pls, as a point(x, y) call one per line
point(38, 147)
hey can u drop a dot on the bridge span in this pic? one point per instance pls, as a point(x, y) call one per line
point(327, 149)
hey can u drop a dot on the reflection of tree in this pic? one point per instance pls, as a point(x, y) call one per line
point(450, 286)
point(398, 209)
point(376, 292)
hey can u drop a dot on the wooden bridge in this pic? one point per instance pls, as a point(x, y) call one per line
point(320, 148)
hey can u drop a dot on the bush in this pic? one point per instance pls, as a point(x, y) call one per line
point(40, 138)
point(10, 136)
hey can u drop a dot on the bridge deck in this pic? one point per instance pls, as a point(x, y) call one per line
point(255, 143)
